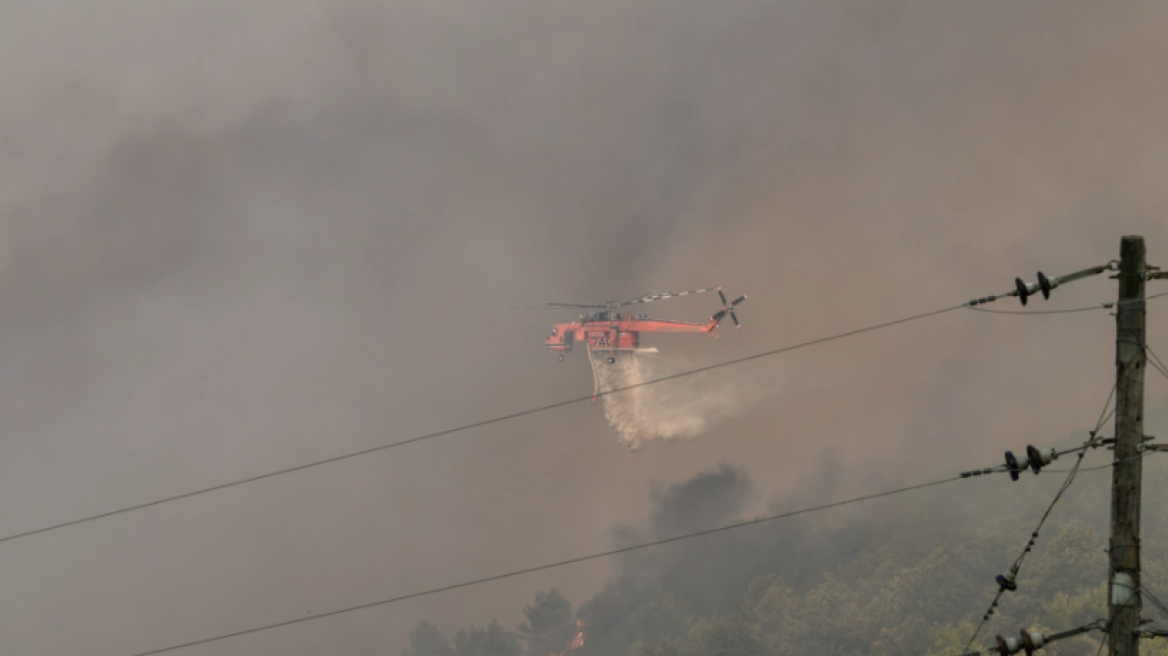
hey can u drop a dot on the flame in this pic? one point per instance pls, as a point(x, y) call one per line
point(577, 642)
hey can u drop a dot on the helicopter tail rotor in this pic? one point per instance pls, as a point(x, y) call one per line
point(728, 308)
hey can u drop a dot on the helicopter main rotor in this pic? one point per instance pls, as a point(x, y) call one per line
point(644, 298)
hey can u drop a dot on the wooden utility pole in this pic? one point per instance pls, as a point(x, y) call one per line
point(1127, 474)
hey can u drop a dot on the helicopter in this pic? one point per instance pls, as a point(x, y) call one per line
point(607, 329)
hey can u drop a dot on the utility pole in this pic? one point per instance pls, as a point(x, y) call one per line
point(1127, 474)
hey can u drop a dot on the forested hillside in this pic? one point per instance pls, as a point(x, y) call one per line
point(910, 575)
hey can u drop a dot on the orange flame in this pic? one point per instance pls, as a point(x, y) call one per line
point(577, 642)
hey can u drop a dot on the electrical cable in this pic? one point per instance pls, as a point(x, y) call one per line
point(1072, 472)
point(1000, 469)
point(1088, 308)
point(1109, 414)
point(1046, 639)
point(1103, 306)
point(1103, 415)
point(1156, 362)
point(1155, 357)
point(1155, 601)
point(473, 425)
point(562, 563)
point(1153, 361)
point(503, 418)
point(1091, 469)
point(516, 415)
point(571, 561)
point(1159, 369)
point(1147, 594)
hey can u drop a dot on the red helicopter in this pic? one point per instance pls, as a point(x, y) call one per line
point(608, 329)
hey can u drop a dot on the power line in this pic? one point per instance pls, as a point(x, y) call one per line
point(556, 565)
point(1092, 442)
point(1154, 356)
point(1148, 298)
point(1032, 641)
point(1081, 470)
point(508, 417)
point(572, 561)
point(1156, 362)
point(1128, 389)
point(473, 425)
point(1096, 468)
point(1087, 308)
point(1152, 598)
point(1102, 641)
point(1008, 581)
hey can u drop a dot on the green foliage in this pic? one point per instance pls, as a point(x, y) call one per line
point(427, 640)
point(1157, 647)
point(662, 648)
point(951, 638)
point(494, 640)
point(661, 620)
point(725, 637)
point(915, 584)
point(550, 623)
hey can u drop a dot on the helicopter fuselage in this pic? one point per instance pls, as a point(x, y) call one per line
point(606, 332)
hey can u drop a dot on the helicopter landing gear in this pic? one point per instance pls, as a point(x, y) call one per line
point(611, 360)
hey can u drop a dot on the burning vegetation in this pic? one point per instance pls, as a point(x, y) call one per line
point(577, 641)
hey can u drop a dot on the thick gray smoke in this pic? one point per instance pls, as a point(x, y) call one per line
point(242, 236)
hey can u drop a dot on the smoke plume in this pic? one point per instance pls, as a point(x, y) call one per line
point(683, 408)
point(237, 237)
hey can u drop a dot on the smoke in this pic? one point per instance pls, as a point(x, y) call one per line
point(711, 575)
point(238, 237)
point(710, 570)
point(683, 408)
point(703, 500)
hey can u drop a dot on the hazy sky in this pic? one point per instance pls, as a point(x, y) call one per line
point(237, 237)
